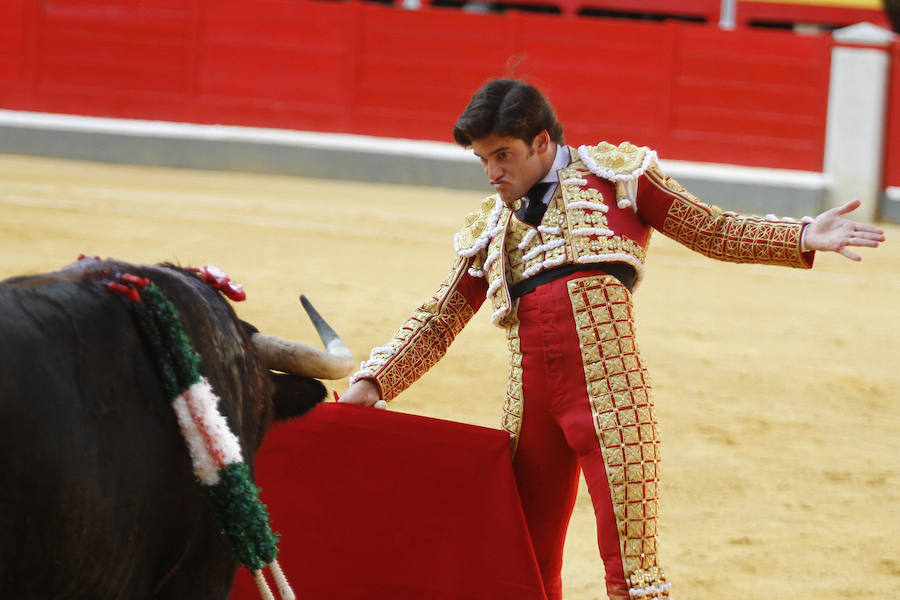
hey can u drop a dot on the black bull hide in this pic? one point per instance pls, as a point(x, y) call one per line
point(97, 495)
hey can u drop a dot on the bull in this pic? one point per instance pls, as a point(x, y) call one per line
point(98, 498)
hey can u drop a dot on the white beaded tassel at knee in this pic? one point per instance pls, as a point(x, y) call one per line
point(284, 588)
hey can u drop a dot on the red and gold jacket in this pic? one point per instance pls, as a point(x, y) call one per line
point(609, 200)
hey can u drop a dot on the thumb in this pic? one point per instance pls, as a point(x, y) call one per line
point(848, 207)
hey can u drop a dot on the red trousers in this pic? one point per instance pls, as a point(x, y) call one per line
point(586, 405)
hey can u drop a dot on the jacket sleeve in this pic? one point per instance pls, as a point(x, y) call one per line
point(424, 337)
point(667, 207)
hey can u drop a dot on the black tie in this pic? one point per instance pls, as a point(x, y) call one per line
point(536, 208)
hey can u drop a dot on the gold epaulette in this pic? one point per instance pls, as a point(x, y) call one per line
point(617, 163)
point(476, 233)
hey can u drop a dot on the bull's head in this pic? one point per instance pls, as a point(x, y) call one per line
point(300, 361)
point(259, 377)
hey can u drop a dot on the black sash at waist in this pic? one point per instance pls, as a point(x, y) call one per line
point(624, 273)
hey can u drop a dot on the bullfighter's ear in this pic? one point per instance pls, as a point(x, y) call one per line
point(295, 395)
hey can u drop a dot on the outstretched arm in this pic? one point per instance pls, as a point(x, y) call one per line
point(832, 232)
point(421, 341)
point(723, 235)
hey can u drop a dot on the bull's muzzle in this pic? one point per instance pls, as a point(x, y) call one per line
point(292, 357)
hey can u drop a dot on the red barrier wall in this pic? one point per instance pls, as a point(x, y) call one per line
point(288, 64)
point(14, 52)
point(693, 92)
point(123, 58)
point(892, 138)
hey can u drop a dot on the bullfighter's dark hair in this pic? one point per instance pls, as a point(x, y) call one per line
point(507, 107)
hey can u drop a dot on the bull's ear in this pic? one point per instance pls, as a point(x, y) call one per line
point(295, 395)
point(250, 329)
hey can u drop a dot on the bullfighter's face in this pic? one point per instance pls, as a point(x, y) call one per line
point(512, 166)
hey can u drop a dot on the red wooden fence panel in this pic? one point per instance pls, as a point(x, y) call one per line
point(15, 52)
point(756, 97)
point(693, 92)
point(418, 69)
point(892, 138)
point(116, 59)
point(277, 63)
point(606, 81)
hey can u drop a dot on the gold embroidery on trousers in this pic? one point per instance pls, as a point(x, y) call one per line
point(619, 393)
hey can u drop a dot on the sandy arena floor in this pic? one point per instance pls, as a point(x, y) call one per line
point(778, 390)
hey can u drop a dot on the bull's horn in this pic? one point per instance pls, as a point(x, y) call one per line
point(299, 359)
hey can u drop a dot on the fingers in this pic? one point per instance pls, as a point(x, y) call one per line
point(352, 399)
point(362, 393)
point(865, 235)
point(861, 240)
point(355, 396)
point(875, 233)
point(851, 255)
point(361, 401)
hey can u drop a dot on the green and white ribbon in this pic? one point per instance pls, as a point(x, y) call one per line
point(215, 450)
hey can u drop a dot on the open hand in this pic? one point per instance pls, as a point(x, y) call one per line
point(832, 232)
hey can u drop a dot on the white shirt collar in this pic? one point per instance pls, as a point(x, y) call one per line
point(561, 161)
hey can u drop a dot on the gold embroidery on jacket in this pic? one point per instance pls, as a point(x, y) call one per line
point(574, 227)
point(624, 159)
point(476, 224)
point(530, 250)
point(513, 407)
point(724, 235)
point(497, 272)
point(424, 338)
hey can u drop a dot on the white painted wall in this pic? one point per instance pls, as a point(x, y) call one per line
point(857, 116)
